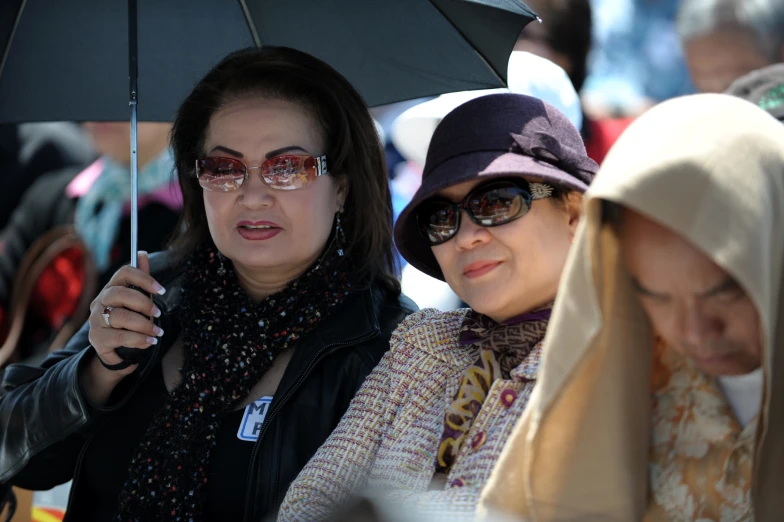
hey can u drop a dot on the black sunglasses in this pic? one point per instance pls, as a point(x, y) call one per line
point(488, 205)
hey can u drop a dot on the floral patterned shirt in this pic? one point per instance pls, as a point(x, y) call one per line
point(701, 458)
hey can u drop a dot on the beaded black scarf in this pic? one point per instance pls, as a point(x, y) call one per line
point(229, 343)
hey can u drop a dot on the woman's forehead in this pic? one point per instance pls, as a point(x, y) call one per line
point(254, 127)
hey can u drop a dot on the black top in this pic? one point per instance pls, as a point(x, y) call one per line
point(119, 438)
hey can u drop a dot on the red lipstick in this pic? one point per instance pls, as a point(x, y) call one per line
point(258, 230)
point(480, 268)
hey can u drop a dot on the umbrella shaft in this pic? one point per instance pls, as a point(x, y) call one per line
point(132, 77)
point(134, 191)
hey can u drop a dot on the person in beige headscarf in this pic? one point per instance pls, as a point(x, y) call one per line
point(661, 395)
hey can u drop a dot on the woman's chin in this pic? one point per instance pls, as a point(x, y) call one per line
point(486, 305)
point(255, 260)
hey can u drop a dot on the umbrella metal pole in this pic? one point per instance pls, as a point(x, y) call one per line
point(134, 192)
point(133, 355)
point(133, 76)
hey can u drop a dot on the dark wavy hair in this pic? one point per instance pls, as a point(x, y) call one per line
point(348, 131)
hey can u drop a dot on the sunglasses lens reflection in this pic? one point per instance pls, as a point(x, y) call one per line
point(495, 205)
point(286, 172)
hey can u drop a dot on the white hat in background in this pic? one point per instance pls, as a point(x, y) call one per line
point(526, 74)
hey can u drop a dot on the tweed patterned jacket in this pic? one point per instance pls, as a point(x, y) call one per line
point(388, 439)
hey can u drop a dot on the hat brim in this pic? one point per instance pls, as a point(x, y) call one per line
point(483, 166)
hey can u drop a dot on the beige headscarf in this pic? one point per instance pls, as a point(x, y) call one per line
point(712, 168)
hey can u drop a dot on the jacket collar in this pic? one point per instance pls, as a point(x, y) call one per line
point(355, 318)
point(529, 368)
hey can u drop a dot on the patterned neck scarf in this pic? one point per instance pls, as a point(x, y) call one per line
point(229, 343)
point(502, 348)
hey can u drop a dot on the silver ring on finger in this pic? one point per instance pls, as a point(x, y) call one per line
point(107, 313)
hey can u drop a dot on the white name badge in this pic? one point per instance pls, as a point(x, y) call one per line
point(255, 413)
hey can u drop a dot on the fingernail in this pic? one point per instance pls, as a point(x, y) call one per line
point(158, 331)
point(156, 312)
point(158, 288)
point(152, 340)
point(143, 253)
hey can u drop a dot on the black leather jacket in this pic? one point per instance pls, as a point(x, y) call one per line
point(46, 422)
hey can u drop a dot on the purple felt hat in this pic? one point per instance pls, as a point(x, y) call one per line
point(495, 136)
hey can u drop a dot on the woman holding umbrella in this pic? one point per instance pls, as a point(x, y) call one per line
point(275, 302)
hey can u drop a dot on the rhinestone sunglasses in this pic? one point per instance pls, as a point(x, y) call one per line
point(284, 172)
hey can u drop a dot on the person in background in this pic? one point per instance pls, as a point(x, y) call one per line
point(564, 37)
point(275, 301)
point(726, 39)
point(764, 88)
point(30, 150)
point(500, 200)
point(661, 391)
point(95, 202)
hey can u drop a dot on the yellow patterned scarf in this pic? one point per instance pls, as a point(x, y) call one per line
point(502, 347)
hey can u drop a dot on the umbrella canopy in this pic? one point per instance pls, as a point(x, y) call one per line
point(69, 60)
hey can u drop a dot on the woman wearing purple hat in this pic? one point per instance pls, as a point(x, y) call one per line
point(499, 204)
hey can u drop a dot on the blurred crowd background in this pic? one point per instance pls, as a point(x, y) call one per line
point(621, 56)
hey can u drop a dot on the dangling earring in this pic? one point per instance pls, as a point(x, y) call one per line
point(221, 268)
point(340, 236)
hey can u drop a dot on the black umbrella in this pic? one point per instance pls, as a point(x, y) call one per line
point(72, 60)
point(68, 60)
